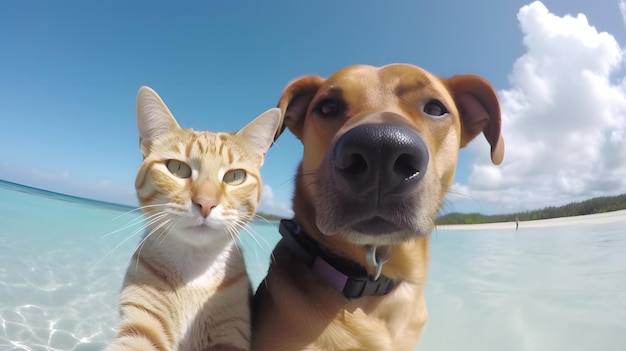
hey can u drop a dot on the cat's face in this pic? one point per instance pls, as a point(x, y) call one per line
point(199, 186)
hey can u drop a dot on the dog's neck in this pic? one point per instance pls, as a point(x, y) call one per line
point(402, 263)
point(346, 276)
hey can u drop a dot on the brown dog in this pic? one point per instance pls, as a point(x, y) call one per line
point(380, 152)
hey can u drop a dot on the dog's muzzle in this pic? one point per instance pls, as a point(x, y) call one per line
point(371, 178)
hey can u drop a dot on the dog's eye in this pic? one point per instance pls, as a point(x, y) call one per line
point(329, 108)
point(435, 108)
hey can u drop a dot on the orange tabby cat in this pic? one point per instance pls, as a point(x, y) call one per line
point(186, 287)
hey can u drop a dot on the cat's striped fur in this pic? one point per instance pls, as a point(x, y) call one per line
point(186, 287)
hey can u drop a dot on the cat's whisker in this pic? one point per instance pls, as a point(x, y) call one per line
point(109, 253)
point(289, 180)
point(167, 230)
point(262, 218)
point(233, 231)
point(234, 236)
point(254, 235)
point(125, 240)
point(243, 225)
point(293, 179)
point(152, 219)
point(259, 260)
point(145, 238)
point(126, 226)
point(124, 214)
point(149, 222)
point(164, 233)
point(132, 223)
point(136, 209)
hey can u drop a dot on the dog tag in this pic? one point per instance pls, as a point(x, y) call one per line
point(377, 260)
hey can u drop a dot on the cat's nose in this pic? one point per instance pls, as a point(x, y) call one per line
point(205, 204)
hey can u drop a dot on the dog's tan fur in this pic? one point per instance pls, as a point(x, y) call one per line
point(296, 310)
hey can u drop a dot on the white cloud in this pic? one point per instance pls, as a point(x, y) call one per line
point(622, 9)
point(269, 204)
point(564, 118)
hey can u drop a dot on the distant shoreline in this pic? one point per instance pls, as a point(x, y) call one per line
point(63, 197)
point(597, 218)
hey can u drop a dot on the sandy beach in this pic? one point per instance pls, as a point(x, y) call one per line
point(599, 218)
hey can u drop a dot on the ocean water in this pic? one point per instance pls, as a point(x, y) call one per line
point(546, 288)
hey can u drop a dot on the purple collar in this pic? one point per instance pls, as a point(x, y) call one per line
point(347, 277)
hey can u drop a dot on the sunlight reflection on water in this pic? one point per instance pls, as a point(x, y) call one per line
point(558, 288)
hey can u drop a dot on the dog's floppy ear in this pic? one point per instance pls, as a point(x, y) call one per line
point(479, 110)
point(295, 100)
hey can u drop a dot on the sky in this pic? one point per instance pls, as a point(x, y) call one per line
point(70, 71)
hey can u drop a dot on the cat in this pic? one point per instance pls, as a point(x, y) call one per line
point(186, 287)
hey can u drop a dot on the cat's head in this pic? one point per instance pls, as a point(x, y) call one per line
point(196, 185)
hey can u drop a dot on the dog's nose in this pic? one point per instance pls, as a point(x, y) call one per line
point(383, 158)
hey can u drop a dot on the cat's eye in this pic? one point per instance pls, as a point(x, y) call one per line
point(178, 168)
point(235, 177)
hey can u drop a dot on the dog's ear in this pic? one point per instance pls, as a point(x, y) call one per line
point(295, 101)
point(479, 110)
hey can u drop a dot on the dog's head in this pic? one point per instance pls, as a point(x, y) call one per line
point(381, 146)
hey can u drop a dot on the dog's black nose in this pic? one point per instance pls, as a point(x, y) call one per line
point(382, 158)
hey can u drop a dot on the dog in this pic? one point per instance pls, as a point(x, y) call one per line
point(380, 153)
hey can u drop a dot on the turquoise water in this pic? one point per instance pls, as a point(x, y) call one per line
point(552, 288)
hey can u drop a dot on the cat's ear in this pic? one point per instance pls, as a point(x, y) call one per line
point(153, 118)
point(259, 134)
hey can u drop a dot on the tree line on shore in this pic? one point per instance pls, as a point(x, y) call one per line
point(268, 216)
point(591, 206)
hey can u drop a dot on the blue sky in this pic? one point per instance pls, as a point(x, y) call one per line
point(69, 73)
